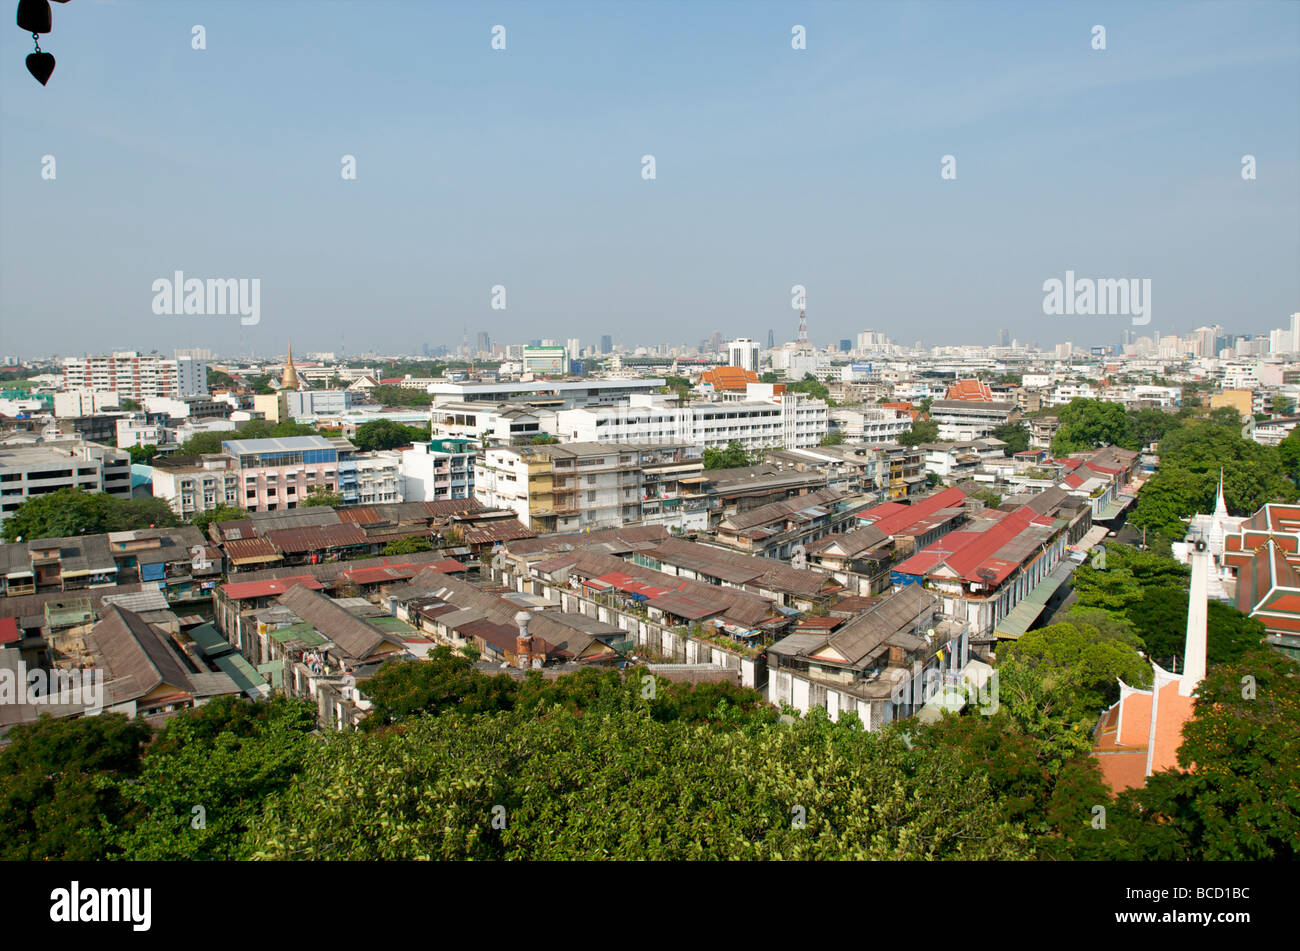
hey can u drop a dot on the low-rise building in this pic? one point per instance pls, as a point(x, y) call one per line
point(876, 666)
point(578, 486)
point(969, 419)
point(379, 478)
point(777, 529)
point(40, 467)
point(278, 473)
point(195, 484)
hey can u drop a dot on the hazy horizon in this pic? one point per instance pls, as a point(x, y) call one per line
point(522, 168)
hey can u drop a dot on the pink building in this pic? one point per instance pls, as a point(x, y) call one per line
point(277, 474)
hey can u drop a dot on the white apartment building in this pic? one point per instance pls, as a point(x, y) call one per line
point(577, 486)
point(128, 374)
point(1063, 393)
point(497, 423)
point(876, 425)
point(379, 478)
point(1132, 396)
point(84, 402)
point(964, 420)
point(138, 431)
point(763, 420)
point(571, 393)
point(193, 486)
point(191, 428)
point(439, 469)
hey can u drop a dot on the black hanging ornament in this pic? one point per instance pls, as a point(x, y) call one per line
point(35, 16)
point(40, 64)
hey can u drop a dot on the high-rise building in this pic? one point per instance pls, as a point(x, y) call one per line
point(484, 342)
point(1004, 337)
point(846, 346)
point(192, 376)
point(574, 347)
point(606, 344)
point(126, 373)
point(743, 353)
point(771, 339)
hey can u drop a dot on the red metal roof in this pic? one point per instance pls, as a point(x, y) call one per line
point(239, 590)
point(9, 632)
point(625, 582)
point(972, 555)
point(896, 521)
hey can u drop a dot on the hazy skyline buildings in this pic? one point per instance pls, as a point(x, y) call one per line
point(1001, 87)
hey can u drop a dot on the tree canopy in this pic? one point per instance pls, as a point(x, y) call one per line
point(386, 434)
point(407, 546)
point(922, 431)
point(734, 456)
point(69, 512)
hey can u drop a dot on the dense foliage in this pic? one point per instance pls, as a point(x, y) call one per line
point(1015, 435)
point(320, 495)
point(734, 456)
point(70, 512)
point(407, 546)
point(458, 764)
point(922, 431)
point(1191, 458)
point(399, 396)
point(386, 434)
point(1150, 592)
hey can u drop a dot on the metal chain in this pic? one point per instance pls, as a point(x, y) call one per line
point(37, 38)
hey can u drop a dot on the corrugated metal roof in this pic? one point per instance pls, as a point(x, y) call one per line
point(242, 590)
point(317, 538)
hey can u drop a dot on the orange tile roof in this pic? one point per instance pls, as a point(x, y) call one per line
point(975, 391)
point(728, 378)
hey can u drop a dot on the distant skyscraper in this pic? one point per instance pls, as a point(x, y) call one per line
point(743, 353)
point(1004, 337)
point(606, 344)
point(846, 345)
point(771, 339)
point(484, 342)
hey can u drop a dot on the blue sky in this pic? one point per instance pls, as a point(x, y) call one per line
point(522, 168)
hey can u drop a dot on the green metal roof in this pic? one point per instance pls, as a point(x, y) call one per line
point(301, 631)
point(394, 625)
point(210, 640)
point(1024, 614)
point(273, 673)
point(1114, 508)
point(239, 670)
